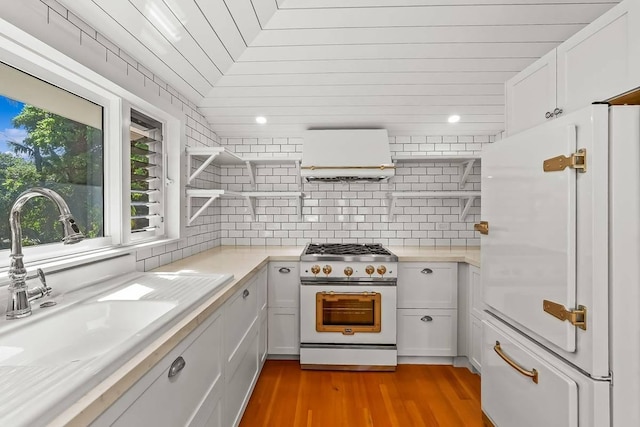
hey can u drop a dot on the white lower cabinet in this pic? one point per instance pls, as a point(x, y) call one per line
point(427, 315)
point(216, 368)
point(475, 341)
point(190, 397)
point(284, 331)
point(284, 308)
point(263, 344)
point(240, 382)
point(427, 332)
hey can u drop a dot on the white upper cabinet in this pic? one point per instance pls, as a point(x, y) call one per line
point(531, 94)
point(602, 60)
point(597, 63)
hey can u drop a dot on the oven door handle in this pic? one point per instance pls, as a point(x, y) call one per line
point(364, 296)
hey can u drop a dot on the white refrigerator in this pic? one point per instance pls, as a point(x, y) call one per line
point(561, 273)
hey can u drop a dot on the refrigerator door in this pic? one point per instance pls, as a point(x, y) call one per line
point(560, 396)
point(547, 240)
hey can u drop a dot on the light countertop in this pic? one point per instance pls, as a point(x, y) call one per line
point(243, 262)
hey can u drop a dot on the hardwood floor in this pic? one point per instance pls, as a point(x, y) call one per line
point(413, 396)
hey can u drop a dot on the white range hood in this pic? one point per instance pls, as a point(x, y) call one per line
point(346, 155)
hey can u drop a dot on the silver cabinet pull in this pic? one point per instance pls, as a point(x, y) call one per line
point(557, 112)
point(427, 271)
point(426, 318)
point(284, 270)
point(548, 115)
point(176, 366)
point(245, 293)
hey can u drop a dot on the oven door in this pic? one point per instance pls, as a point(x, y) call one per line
point(348, 314)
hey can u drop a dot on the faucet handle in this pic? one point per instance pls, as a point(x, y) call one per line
point(43, 279)
point(39, 291)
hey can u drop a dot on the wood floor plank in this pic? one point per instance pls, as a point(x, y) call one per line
point(413, 396)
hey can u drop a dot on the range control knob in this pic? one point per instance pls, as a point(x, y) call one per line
point(381, 270)
point(326, 269)
point(348, 271)
point(315, 269)
point(369, 269)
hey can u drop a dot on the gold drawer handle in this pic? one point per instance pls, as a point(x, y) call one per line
point(533, 374)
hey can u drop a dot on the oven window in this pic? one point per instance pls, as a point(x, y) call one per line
point(348, 313)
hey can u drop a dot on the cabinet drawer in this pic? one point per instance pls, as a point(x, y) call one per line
point(428, 285)
point(241, 312)
point(284, 284)
point(505, 391)
point(181, 399)
point(427, 332)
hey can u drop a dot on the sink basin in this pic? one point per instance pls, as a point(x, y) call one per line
point(50, 360)
point(78, 333)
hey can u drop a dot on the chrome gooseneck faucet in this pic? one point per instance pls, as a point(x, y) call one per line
point(20, 297)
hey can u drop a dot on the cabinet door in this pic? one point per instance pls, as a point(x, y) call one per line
point(239, 382)
point(475, 290)
point(284, 331)
point(284, 284)
point(263, 345)
point(261, 287)
point(186, 396)
point(531, 94)
point(475, 344)
point(428, 285)
point(598, 62)
point(241, 314)
point(427, 332)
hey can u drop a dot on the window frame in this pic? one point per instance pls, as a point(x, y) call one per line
point(30, 55)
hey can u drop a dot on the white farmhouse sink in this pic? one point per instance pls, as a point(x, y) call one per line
point(52, 358)
point(80, 332)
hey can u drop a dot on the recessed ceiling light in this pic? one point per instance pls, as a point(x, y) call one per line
point(454, 118)
point(261, 120)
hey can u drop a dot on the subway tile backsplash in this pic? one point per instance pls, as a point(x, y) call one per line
point(351, 212)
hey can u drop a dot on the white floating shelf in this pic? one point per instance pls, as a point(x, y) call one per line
point(222, 156)
point(467, 196)
point(465, 163)
point(249, 196)
point(432, 158)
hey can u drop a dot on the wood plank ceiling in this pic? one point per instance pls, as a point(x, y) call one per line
point(403, 65)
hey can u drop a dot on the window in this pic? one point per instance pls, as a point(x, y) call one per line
point(147, 213)
point(49, 138)
point(85, 127)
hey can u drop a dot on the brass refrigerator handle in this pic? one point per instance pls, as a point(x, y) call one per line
point(482, 227)
point(533, 374)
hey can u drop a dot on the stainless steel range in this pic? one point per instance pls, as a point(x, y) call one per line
point(348, 307)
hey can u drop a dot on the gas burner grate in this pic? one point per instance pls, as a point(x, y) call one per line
point(345, 249)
